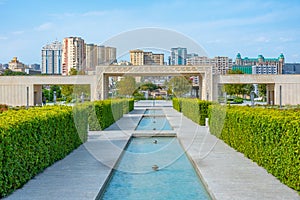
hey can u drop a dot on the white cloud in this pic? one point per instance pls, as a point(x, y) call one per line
point(44, 27)
point(94, 13)
point(262, 39)
point(285, 39)
point(18, 32)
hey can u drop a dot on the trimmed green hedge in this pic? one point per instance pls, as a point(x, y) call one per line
point(104, 113)
point(194, 109)
point(269, 137)
point(33, 139)
point(176, 104)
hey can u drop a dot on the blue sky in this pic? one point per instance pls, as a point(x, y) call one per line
point(222, 28)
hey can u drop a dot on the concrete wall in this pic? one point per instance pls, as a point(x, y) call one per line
point(16, 94)
point(290, 85)
point(290, 93)
point(13, 89)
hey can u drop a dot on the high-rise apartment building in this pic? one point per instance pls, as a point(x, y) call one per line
point(52, 58)
point(266, 63)
point(99, 55)
point(73, 54)
point(140, 57)
point(153, 58)
point(178, 56)
point(220, 64)
point(106, 55)
point(91, 59)
point(137, 57)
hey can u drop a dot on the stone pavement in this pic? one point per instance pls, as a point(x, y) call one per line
point(226, 173)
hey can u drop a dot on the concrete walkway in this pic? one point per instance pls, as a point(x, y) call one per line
point(226, 173)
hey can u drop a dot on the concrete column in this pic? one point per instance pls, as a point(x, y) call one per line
point(270, 94)
point(200, 86)
point(93, 89)
point(204, 87)
point(38, 95)
point(105, 86)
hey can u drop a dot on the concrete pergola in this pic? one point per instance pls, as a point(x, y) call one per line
point(204, 74)
point(27, 90)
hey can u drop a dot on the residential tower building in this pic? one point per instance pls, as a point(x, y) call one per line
point(139, 57)
point(52, 58)
point(106, 55)
point(178, 56)
point(91, 59)
point(220, 64)
point(73, 54)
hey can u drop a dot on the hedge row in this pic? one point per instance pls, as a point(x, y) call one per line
point(194, 109)
point(269, 137)
point(104, 113)
point(176, 104)
point(33, 139)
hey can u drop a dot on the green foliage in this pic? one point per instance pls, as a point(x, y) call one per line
point(126, 86)
point(194, 109)
point(49, 94)
point(238, 89)
point(238, 100)
point(73, 71)
point(180, 85)
point(262, 90)
point(33, 139)
point(9, 72)
point(75, 91)
point(269, 137)
point(176, 104)
point(104, 113)
point(148, 86)
point(67, 90)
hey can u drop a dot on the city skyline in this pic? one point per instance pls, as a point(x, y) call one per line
point(222, 28)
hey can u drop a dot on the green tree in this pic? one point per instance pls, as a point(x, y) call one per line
point(126, 86)
point(49, 93)
point(148, 86)
point(238, 89)
point(57, 90)
point(73, 71)
point(180, 85)
point(67, 91)
point(75, 91)
point(262, 90)
point(9, 72)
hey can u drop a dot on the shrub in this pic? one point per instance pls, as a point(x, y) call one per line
point(104, 113)
point(194, 109)
point(176, 104)
point(269, 137)
point(238, 100)
point(33, 139)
